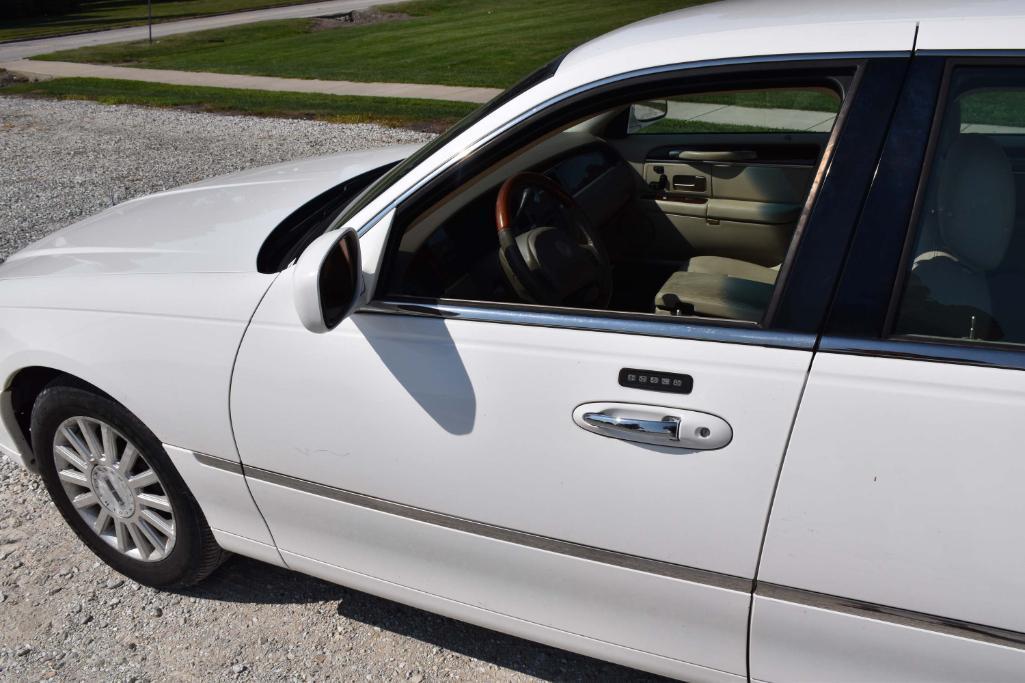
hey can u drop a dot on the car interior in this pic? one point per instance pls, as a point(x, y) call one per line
point(967, 263)
point(684, 206)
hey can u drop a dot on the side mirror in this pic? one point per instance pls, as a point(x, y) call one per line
point(643, 114)
point(327, 280)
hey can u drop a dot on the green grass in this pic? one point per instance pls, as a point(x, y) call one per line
point(805, 100)
point(994, 108)
point(97, 15)
point(669, 126)
point(451, 42)
point(422, 114)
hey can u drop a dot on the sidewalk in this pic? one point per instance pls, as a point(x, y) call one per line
point(45, 70)
point(756, 117)
point(39, 46)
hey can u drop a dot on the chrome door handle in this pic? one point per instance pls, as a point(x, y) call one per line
point(655, 425)
point(668, 427)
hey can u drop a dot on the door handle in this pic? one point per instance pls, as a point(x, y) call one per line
point(667, 428)
point(715, 155)
point(655, 425)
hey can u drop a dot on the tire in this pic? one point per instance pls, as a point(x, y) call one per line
point(180, 551)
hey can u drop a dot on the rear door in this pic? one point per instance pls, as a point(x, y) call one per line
point(894, 550)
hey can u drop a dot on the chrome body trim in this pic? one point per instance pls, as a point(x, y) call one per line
point(859, 608)
point(218, 463)
point(507, 535)
point(980, 354)
point(580, 89)
point(574, 319)
point(893, 615)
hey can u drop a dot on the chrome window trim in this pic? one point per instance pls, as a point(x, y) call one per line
point(893, 615)
point(473, 147)
point(971, 53)
point(938, 350)
point(575, 319)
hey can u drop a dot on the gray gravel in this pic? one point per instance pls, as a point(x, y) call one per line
point(61, 161)
point(66, 616)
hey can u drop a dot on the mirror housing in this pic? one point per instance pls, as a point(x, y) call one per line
point(643, 114)
point(327, 280)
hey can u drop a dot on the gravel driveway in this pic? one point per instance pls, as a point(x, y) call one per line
point(65, 616)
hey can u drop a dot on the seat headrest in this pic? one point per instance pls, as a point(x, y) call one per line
point(976, 202)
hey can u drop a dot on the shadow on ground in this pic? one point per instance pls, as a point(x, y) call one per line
point(249, 581)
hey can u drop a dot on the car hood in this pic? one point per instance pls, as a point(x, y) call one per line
point(214, 226)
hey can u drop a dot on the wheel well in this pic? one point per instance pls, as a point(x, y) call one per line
point(25, 388)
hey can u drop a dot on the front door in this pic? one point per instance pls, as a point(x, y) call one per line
point(595, 473)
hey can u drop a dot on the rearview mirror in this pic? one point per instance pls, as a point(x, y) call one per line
point(643, 114)
point(328, 280)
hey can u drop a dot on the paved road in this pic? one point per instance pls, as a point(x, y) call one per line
point(37, 69)
point(29, 48)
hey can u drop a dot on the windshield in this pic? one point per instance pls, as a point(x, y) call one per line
point(362, 200)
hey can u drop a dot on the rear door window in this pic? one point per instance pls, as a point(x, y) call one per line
point(964, 274)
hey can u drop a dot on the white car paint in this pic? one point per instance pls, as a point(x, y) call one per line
point(142, 273)
point(151, 301)
point(929, 464)
point(456, 423)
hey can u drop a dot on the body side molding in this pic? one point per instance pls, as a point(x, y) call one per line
point(947, 626)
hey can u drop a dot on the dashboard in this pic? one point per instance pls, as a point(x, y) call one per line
point(580, 169)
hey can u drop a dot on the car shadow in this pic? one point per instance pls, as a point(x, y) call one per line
point(244, 580)
point(422, 356)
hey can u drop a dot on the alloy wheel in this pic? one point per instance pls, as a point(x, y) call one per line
point(114, 489)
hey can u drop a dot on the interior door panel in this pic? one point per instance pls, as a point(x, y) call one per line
point(737, 195)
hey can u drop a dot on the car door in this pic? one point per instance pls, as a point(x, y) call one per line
point(458, 455)
point(893, 549)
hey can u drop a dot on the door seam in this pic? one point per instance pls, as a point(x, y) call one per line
point(231, 419)
point(768, 513)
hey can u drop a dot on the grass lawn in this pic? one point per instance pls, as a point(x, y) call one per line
point(451, 42)
point(804, 100)
point(432, 115)
point(96, 15)
point(994, 108)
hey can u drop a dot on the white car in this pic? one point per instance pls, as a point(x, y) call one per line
point(701, 351)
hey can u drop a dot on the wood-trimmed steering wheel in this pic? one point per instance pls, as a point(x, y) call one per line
point(550, 265)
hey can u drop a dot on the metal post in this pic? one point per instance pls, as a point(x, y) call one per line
point(149, 13)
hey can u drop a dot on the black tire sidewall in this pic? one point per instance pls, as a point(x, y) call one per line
point(58, 403)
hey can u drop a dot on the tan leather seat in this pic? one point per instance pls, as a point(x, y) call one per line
point(965, 241)
point(717, 287)
point(731, 267)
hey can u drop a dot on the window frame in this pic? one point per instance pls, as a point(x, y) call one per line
point(864, 312)
point(630, 87)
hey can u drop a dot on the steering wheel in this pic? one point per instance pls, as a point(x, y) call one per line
point(546, 264)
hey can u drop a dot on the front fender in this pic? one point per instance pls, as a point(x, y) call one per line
point(162, 345)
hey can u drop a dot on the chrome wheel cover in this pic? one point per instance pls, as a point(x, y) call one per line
point(114, 489)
